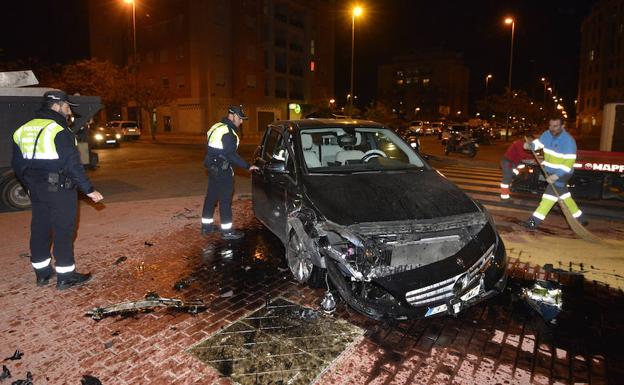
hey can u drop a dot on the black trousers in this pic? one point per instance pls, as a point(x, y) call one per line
point(53, 222)
point(220, 188)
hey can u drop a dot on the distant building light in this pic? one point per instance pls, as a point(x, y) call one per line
point(311, 65)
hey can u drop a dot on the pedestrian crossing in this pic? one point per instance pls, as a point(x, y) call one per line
point(483, 185)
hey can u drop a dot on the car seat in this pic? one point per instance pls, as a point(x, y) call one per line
point(348, 142)
point(309, 155)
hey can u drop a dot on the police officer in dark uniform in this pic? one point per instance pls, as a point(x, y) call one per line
point(221, 155)
point(47, 162)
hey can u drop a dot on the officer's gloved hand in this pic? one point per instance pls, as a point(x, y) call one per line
point(552, 178)
point(527, 145)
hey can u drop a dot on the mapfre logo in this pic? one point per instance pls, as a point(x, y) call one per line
point(604, 167)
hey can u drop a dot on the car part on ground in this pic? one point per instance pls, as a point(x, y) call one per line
point(545, 298)
point(152, 300)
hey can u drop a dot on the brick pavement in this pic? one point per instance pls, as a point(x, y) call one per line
point(500, 341)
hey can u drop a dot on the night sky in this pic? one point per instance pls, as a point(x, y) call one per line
point(547, 38)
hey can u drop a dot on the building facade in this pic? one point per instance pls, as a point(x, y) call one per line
point(265, 54)
point(601, 69)
point(429, 85)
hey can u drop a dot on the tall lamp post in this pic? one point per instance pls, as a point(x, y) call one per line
point(511, 21)
point(357, 11)
point(487, 81)
point(135, 64)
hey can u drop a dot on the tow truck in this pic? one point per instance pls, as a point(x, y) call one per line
point(597, 175)
point(18, 104)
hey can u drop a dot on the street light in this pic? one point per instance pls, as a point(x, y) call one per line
point(134, 46)
point(487, 80)
point(511, 21)
point(357, 11)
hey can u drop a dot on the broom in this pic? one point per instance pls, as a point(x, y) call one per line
point(574, 224)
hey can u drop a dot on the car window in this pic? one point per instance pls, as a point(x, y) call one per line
point(337, 150)
point(128, 125)
point(275, 147)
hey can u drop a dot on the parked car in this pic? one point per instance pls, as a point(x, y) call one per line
point(353, 203)
point(104, 136)
point(129, 129)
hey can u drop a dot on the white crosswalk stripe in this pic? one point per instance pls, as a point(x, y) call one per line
point(483, 185)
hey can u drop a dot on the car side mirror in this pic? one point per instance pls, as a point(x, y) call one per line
point(276, 167)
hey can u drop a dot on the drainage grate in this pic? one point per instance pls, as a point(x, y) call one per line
point(282, 343)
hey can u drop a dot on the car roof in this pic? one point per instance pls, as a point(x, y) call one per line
point(302, 124)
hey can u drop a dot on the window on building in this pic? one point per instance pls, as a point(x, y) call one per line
point(251, 81)
point(267, 86)
point(149, 57)
point(180, 52)
point(281, 87)
point(250, 22)
point(280, 62)
point(165, 81)
point(296, 89)
point(592, 55)
point(180, 80)
point(220, 79)
point(312, 47)
point(296, 67)
point(426, 82)
point(280, 38)
point(266, 59)
point(281, 12)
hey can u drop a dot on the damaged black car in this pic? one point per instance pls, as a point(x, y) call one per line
point(356, 206)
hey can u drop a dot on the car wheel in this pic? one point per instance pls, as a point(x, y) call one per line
point(300, 263)
point(14, 195)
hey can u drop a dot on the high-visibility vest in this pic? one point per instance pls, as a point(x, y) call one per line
point(215, 135)
point(26, 136)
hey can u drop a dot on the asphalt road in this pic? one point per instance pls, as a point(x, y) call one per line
point(143, 170)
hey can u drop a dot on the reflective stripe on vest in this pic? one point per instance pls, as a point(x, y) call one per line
point(215, 135)
point(26, 135)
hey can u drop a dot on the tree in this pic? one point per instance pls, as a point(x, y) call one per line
point(148, 96)
point(91, 77)
point(379, 112)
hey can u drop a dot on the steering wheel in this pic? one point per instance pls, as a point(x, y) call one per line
point(370, 154)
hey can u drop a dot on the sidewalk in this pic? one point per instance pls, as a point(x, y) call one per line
point(133, 248)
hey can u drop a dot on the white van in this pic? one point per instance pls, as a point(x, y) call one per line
point(129, 129)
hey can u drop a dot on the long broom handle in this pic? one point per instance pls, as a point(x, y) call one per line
point(542, 168)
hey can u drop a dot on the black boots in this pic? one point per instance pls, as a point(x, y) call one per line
point(207, 228)
point(231, 234)
point(67, 280)
point(44, 275)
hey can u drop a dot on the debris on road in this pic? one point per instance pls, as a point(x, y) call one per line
point(328, 304)
point(186, 214)
point(545, 298)
point(227, 294)
point(149, 244)
point(90, 380)
point(183, 284)
point(16, 356)
point(6, 373)
point(152, 300)
point(120, 260)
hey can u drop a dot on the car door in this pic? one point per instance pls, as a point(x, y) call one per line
point(273, 181)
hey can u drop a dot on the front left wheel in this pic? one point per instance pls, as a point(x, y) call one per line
point(300, 263)
point(14, 195)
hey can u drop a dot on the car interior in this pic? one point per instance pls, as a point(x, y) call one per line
point(335, 148)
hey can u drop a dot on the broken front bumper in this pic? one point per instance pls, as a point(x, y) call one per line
point(436, 289)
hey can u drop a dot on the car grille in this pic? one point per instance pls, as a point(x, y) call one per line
point(442, 290)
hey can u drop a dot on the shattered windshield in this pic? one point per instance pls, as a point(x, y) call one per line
point(340, 150)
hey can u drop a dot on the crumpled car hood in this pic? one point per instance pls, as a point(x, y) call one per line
point(386, 196)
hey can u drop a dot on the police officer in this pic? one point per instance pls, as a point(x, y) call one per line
point(46, 160)
point(221, 155)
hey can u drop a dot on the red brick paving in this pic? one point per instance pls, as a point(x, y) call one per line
point(496, 342)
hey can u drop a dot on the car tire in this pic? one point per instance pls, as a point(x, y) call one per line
point(14, 195)
point(300, 263)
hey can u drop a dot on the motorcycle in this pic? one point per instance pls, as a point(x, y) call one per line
point(462, 145)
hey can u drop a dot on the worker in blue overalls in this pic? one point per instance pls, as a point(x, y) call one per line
point(221, 155)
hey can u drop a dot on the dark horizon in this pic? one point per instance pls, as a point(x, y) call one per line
point(546, 43)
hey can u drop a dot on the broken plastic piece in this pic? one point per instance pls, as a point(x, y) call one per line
point(227, 294)
point(545, 298)
point(6, 373)
point(26, 381)
point(16, 356)
point(182, 284)
point(148, 243)
point(90, 380)
point(152, 300)
point(328, 304)
point(120, 259)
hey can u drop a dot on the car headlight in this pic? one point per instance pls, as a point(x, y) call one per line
point(99, 137)
point(118, 136)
